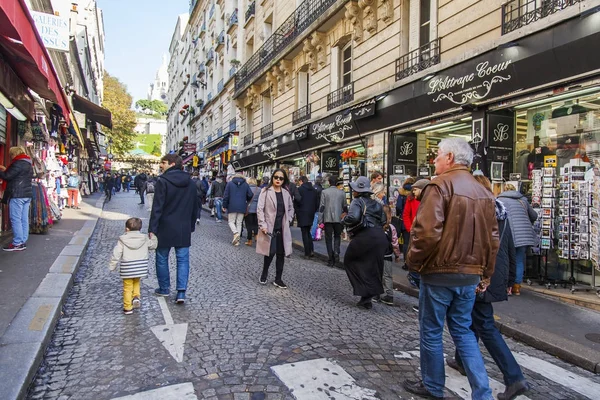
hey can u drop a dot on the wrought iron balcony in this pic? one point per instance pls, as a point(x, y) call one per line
point(210, 56)
point(339, 97)
point(233, 21)
point(232, 125)
point(211, 13)
point(418, 60)
point(219, 132)
point(266, 131)
point(220, 86)
point(518, 13)
point(221, 40)
point(250, 11)
point(201, 69)
point(276, 44)
point(195, 81)
point(248, 140)
point(300, 115)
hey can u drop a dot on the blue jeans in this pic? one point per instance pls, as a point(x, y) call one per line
point(521, 254)
point(485, 329)
point(219, 207)
point(162, 267)
point(453, 304)
point(19, 219)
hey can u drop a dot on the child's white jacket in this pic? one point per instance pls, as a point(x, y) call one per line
point(132, 253)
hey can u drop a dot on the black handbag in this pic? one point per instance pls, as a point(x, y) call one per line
point(211, 202)
point(360, 224)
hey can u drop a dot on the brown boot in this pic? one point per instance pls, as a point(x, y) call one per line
point(248, 242)
point(516, 289)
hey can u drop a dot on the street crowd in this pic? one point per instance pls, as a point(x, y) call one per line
point(458, 245)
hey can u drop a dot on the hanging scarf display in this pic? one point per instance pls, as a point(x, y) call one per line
point(40, 213)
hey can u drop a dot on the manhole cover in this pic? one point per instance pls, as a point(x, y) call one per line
point(594, 337)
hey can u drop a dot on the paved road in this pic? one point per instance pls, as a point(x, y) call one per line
point(244, 340)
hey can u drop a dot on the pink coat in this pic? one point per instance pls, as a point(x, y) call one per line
point(266, 212)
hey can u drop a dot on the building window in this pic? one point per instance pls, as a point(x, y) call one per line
point(346, 65)
point(267, 109)
point(424, 22)
point(249, 121)
point(303, 89)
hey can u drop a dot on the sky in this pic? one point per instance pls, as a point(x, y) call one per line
point(138, 33)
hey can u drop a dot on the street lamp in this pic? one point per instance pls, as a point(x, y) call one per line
point(109, 155)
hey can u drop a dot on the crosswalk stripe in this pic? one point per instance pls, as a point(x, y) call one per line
point(577, 383)
point(182, 391)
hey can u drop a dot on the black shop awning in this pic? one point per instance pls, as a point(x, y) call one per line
point(93, 111)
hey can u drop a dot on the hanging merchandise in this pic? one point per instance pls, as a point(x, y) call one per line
point(594, 211)
point(40, 214)
point(574, 220)
point(536, 203)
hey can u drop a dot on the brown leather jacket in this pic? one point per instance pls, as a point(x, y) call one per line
point(455, 230)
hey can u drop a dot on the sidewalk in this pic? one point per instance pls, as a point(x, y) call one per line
point(546, 323)
point(34, 283)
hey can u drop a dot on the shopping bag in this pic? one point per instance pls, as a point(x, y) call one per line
point(319, 234)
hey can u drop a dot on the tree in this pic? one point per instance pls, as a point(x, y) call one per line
point(152, 106)
point(118, 102)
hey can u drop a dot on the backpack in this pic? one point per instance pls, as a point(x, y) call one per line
point(200, 192)
point(73, 181)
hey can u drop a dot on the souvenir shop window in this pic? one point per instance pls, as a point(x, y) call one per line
point(375, 160)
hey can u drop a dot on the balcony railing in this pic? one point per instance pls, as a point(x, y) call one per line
point(233, 21)
point(221, 40)
point(266, 131)
point(201, 69)
point(210, 56)
point(339, 97)
point(518, 13)
point(219, 132)
point(248, 140)
point(418, 60)
point(275, 45)
point(220, 86)
point(232, 125)
point(250, 11)
point(300, 115)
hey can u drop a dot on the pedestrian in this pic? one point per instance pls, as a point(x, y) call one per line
point(522, 217)
point(454, 242)
point(379, 193)
point(333, 204)
point(364, 256)
point(319, 188)
point(484, 324)
point(17, 194)
point(251, 218)
point(200, 194)
point(265, 181)
point(235, 202)
point(306, 208)
point(392, 254)
point(205, 187)
point(405, 191)
point(410, 212)
point(172, 220)
point(275, 211)
point(131, 254)
point(101, 178)
point(141, 183)
point(118, 180)
point(109, 183)
point(218, 191)
point(128, 182)
point(115, 185)
point(73, 183)
point(376, 177)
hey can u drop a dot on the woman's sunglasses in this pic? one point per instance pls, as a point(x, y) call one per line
point(279, 178)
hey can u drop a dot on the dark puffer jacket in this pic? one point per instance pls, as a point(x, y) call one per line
point(521, 216)
point(18, 175)
point(237, 195)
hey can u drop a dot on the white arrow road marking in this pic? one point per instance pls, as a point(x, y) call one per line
point(321, 379)
point(579, 384)
point(170, 335)
point(182, 391)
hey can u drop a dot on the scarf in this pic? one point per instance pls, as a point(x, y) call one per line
point(19, 157)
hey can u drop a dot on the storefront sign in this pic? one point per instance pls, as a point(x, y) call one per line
point(53, 29)
point(423, 171)
point(269, 150)
point(107, 166)
point(364, 111)
point(405, 148)
point(334, 129)
point(330, 162)
point(477, 131)
point(501, 132)
point(398, 169)
point(301, 133)
point(234, 139)
point(189, 147)
point(550, 161)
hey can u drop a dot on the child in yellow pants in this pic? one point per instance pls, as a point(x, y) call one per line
point(131, 252)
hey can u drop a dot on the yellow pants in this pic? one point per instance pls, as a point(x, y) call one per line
point(131, 289)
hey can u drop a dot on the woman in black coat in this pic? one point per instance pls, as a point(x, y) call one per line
point(483, 313)
point(306, 208)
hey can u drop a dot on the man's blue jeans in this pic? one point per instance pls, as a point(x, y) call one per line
point(453, 304)
point(19, 219)
point(219, 207)
point(162, 268)
point(485, 329)
point(520, 260)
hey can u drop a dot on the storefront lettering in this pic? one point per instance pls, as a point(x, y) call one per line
point(501, 132)
point(269, 151)
point(335, 130)
point(331, 162)
point(406, 149)
point(458, 92)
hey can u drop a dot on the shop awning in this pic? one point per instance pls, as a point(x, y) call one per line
point(93, 111)
point(214, 143)
point(26, 53)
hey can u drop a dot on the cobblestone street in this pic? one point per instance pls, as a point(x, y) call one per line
point(238, 330)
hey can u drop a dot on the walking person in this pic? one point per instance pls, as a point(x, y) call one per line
point(141, 183)
point(18, 194)
point(251, 219)
point(109, 186)
point(410, 212)
point(333, 204)
point(235, 202)
point(483, 312)
point(454, 242)
point(522, 217)
point(200, 193)
point(128, 182)
point(131, 254)
point(172, 220)
point(275, 211)
point(364, 256)
point(306, 208)
point(392, 254)
point(218, 191)
point(405, 191)
point(73, 183)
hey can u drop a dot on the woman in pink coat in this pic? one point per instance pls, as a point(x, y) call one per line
point(275, 212)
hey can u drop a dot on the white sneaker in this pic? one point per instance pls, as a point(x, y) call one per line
point(236, 239)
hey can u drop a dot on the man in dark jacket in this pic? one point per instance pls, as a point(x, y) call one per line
point(333, 203)
point(235, 203)
point(453, 243)
point(18, 195)
point(172, 220)
point(307, 204)
point(200, 193)
point(217, 191)
point(140, 182)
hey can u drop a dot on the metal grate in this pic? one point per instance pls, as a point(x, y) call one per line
point(339, 97)
point(201, 69)
point(221, 39)
point(247, 140)
point(418, 60)
point(233, 20)
point(300, 115)
point(232, 125)
point(219, 132)
point(210, 56)
point(519, 13)
point(250, 11)
point(266, 131)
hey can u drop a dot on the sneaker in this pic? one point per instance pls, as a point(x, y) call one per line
point(367, 305)
point(136, 302)
point(236, 239)
point(160, 292)
point(127, 312)
point(415, 308)
point(417, 387)
point(279, 283)
point(197, 221)
point(180, 297)
point(376, 299)
point(12, 247)
point(262, 281)
point(389, 300)
point(412, 281)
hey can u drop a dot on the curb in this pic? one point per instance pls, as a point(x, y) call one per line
point(592, 304)
point(23, 345)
